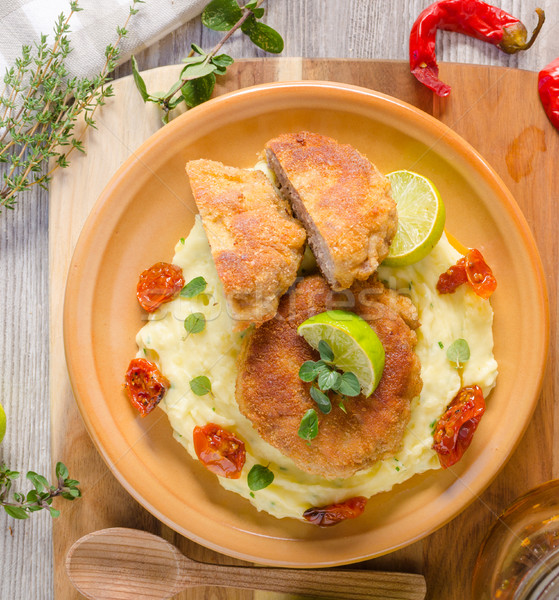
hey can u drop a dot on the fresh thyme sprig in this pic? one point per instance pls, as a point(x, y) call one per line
point(20, 506)
point(197, 79)
point(40, 105)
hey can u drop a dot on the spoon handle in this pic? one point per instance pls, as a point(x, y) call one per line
point(333, 583)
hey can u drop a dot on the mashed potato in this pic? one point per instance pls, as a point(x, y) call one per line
point(213, 352)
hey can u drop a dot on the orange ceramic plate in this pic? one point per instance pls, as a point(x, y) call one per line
point(147, 207)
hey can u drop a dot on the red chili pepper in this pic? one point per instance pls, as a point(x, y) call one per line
point(471, 17)
point(548, 86)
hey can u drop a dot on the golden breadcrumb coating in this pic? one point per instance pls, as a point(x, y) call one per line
point(256, 243)
point(270, 393)
point(341, 198)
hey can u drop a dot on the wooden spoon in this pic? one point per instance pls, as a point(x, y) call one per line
point(128, 564)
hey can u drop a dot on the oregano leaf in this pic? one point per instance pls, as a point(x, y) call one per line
point(349, 385)
point(458, 352)
point(325, 351)
point(328, 380)
point(262, 35)
point(198, 90)
point(322, 400)
point(201, 385)
point(195, 322)
point(194, 287)
point(259, 477)
point(308, 428)
point(221, 15)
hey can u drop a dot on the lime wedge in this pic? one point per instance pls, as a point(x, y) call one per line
point(421, 217)
point(355, 345)
point(2, 423)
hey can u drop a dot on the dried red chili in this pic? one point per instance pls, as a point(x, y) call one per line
point(145, 385)
point(158, 284)
point(325, 516)
point(548, 87)
point(471, 17)
point(455, 429)
point(472, 269)
point(219, 450)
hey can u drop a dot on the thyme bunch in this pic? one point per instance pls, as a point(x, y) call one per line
point(197, 79)
point(20, 506)
point(40, 106)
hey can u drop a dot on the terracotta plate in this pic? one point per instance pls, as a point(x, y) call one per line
point(147, 207)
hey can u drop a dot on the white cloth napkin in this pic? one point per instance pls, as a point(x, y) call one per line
point(92, 29)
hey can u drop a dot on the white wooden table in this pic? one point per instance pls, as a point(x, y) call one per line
point(311, 28)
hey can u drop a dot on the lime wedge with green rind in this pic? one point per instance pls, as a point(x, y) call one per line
point(356, 346)
point(421, 218)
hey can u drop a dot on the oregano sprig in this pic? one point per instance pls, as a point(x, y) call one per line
point(327, 378)
point(40, 106)
point(20, 506)
point(198, 77)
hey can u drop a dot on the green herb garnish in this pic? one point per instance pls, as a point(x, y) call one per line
point(20, 506)
point(259, 477)
point(198, 77)
point(441, 345)
point(195, 323)
point(321, 399)
point(325, 351)
point(194, 287)
point(201, 385)
point(308, 429)
point(458, 352)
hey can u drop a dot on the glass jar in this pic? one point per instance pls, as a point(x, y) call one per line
point(519, 557)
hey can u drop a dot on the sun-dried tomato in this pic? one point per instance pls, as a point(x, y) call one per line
point(453, 278)
point(471, 269)
point(158, 285)
point(145, 385)
point(455, 429)
point(479, 274)
point(219, 450)
point(325, 516)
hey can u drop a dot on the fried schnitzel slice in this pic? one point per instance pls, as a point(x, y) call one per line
point(256, 244)
point(341, 198)
point(270, 393)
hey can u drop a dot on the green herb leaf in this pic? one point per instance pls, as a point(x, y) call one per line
point(198, 50)
point(16, 512)
point(342, 406)
point(194, 287)
point(198, 90)
point(325, 351)
point(322, 400)
point(198, 70)
point(140, 83)
point(38, 481)
point(308, 371)
point(201, 385)
point(195, 323)
point(259, 477)
point(262, 35)
point(458, 352)
point(53, 512)
point(61, 470)
point(221, 15)
point(222, 60)
point(349, 385)
point(441, 345)
point(328, 380)
point(308, 429)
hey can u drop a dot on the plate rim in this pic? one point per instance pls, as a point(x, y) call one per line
point(450, 137)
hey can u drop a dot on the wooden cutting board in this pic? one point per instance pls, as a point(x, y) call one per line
point(498, 111)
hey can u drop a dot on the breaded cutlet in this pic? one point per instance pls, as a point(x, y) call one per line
point(271, 395)
point(256, 244)
point(341, 198)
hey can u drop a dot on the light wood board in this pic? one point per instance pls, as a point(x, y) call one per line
point(497, 110)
